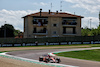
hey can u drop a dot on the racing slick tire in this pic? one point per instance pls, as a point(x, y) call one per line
point(58, 60)
point(40, 58)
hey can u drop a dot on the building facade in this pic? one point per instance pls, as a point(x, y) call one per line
point(51, 24)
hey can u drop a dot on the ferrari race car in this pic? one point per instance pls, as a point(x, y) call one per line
point(48, 58)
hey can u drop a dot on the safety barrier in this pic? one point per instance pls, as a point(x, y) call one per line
point(49, 40)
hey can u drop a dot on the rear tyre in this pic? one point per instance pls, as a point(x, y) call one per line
point(40, 58)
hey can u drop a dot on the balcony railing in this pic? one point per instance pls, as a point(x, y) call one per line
point(69, 23)
point(69, 33)
point(40, 32)
point(42, 23)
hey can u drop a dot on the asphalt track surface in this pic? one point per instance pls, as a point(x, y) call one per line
point(34, 54)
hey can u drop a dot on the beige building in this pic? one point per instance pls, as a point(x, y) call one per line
point(51, 24)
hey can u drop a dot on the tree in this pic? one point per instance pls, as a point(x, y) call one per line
point(90, 32)
point(85, 31)
point(16, 32)
point(98, 28)
point(7, 31)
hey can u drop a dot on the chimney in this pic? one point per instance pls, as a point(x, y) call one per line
point(49, 11)
point(56, 12)
point(40, 11)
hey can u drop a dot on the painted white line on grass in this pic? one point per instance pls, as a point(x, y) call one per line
point(34, 61)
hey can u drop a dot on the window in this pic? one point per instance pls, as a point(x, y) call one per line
point(54, 32)
point(64, 30)
point(69, 30)
point(40, 21)
point(44, 30)
point(55, 25)
point(34, 30)
point(74, 30)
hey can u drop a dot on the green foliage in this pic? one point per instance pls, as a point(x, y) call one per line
point(8, 30)
point(85, 32)
point(16, 32)
point(85, 54)
point(98, 29)
point(90, 32)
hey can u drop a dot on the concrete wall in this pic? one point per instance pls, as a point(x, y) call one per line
point(51, 28)
point(28, 27)
point(78, 27)
point(25, 27)
point(28, 33)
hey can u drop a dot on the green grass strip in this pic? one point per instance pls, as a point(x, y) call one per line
point(93, 55)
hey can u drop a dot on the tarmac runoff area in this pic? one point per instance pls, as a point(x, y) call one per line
point(34, 61)
point(33, 55)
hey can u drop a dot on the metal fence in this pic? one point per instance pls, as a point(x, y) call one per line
point(49, 40)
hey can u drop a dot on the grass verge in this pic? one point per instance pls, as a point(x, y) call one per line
point(4, 51)
point(48, 47)
point(93, 55)
point(95, 45)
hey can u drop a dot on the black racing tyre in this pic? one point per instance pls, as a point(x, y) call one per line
point(58, 60)
point(40, 58)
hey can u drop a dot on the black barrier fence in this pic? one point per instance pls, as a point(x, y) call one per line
point(59, 40)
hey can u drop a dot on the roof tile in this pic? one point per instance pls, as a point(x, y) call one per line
point(53, 14)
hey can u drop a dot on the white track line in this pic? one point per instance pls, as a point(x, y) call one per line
point(37, 62)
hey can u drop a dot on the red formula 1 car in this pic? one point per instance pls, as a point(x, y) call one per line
point(48, 58)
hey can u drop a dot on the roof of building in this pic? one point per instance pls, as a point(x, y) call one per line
point(53, 14)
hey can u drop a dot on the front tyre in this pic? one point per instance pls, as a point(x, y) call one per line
point(58, 60)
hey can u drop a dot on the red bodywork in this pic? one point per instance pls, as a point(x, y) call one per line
point(48, 58)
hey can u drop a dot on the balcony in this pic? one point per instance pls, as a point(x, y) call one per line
point(40, 32)
point(69, 33)
point(40, 23)
point(65, 23)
